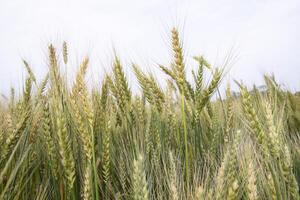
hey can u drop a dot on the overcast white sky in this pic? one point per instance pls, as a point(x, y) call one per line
point(264, 34)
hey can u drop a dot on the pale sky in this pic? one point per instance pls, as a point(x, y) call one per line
point(263, 35)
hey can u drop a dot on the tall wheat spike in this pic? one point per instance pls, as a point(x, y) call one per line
point(227, 184)
point(50, 140)
point(151, 90)
point(273, 133)
point(87, 183)
point(173, 179)
point(120, 87)
point(252, 182)
point(106, 154)
point(65, 52)
point(253, 120)
point(64, 142)
point(140, 186)
point(229, 119)
point(290, 179)
point(29, 70)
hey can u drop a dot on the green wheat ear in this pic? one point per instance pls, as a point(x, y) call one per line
point(253, 120)
point(65, 52)
point(229, 114)
point(87, 183)
point(208, 92)
point(227, 184)
point(151, 90)
point(123, 93)
point(29, 70)
point(106, 154)
point(290, 179)
point(140, 186)
point(50, 140)
point(252, 181)
point(173, 178)
point(61, 124)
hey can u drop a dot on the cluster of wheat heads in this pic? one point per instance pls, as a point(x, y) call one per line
point(61, 141)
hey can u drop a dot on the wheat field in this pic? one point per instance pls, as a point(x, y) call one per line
point(182, 141)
